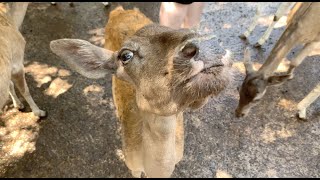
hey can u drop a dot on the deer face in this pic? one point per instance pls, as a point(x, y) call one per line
point(255, 86)
point(169, 69)
point(252, 90)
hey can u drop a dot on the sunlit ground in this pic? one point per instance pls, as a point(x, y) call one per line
point(43, 73)
point(269, 134)
point(97, 37)
point(222, 174)
point(18, 134)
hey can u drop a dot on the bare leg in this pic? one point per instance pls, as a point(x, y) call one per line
point(172, 14)
point(309, 99)
point(193, 15)
point(20, 81)
point(246, 34)
point(16, 102)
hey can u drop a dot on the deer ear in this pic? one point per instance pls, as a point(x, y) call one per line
point(87, 59)
point(277, 79)
point(247, 61)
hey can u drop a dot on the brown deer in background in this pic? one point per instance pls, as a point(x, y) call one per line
point(303, 28)
point(12, 46)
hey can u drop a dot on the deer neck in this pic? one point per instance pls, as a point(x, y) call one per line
point(159, 144)
point(286, 42)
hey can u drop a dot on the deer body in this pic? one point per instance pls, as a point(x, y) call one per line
point(158, 73)
point(297, 32)
point(12, 45)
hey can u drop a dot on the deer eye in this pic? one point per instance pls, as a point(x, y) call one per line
point(126, 56)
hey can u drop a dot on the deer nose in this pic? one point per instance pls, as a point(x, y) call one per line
point(239, 113)
point(190, 50)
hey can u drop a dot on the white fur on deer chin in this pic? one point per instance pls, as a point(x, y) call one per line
point(206, 84)
point(210, 81)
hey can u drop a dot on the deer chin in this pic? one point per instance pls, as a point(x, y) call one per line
point(209, 81)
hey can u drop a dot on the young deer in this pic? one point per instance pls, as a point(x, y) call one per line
point(281, 11)
point(12, 45)
point(158, 73)
point(303, 28)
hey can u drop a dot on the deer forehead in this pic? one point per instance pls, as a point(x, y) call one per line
point(163, 36)
point(158, 45)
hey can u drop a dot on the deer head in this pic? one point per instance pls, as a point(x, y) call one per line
point(170, 69)
point(255, 86)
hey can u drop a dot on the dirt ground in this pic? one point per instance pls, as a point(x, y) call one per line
point(80, 136)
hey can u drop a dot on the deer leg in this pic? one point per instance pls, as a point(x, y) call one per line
point(246, 34)
point(283, 9)
point(136, 174)
point(266, 35)
point(16, 102)
point(20, 81)
point(193, 15)
point(280, 12)
point(306, 51)
point(172, 18)
point(309, 99)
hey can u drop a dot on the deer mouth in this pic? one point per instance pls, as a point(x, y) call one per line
point(212, 69)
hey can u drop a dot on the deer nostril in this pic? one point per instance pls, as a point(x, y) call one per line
point(239, 113)
point(190, 50)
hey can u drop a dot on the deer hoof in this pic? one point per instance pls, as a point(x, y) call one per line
point(40, 113)
point(257, 45)
point(136, 174)
point(242, 36)
point(20, 106)
point(302, 114)
point(291, 77)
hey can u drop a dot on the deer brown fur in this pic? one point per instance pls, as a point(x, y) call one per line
point(158, 73)
point(12, 46)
